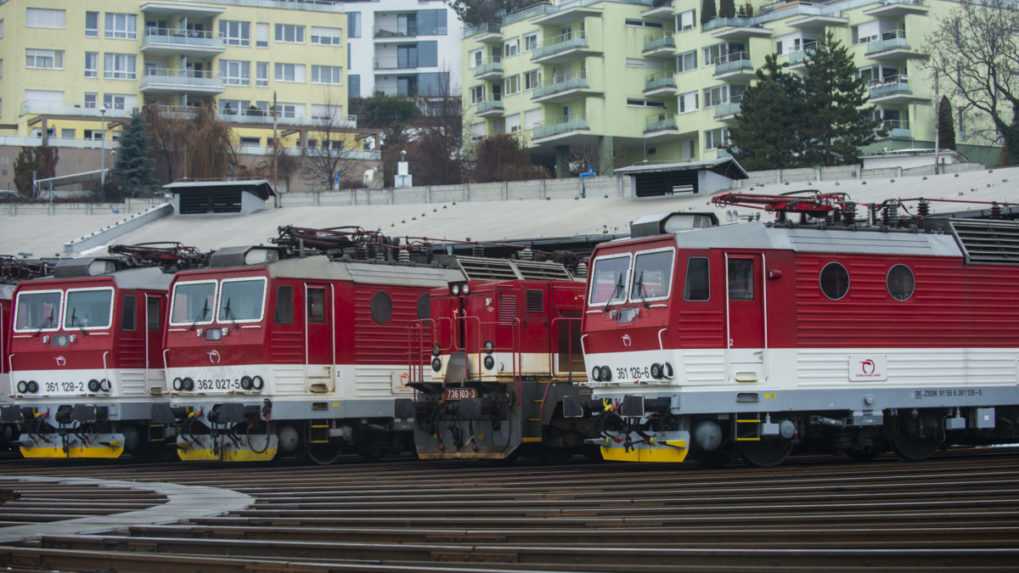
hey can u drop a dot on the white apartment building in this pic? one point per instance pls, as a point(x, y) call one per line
point(403, 48)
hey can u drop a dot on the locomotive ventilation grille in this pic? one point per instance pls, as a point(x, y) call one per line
point(987, 241)
point(505, 269)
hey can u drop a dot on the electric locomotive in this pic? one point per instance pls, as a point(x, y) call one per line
point(506, 364)
point(85, 354)
point(299, 349)
point(831, 333)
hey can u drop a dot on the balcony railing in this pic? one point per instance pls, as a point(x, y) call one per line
point(896, 128)
point(489, 68)
point(898, 86)
point(659, 43)
point(733, 62)
point(727, 109)
point(889, 41)
point(489, 106)
point(182, 79)
point(46, 108)
point(657, 123)
point(565, 44)
point(553, 129)
point(659, 83)
point(482, 28)
point(797, 57)
point(181, 38)
point(560, 87)
point(728, 23)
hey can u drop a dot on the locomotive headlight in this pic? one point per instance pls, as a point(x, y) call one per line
point(22, 387)
point(105, 385)
point(214, 334)
point(455, 289)
point(61, 340)
point(257, 383)
point(245, 383)
point(489, 346)
point(187, 384)
point(606, 374)
point(596, 374)
point(33, 386)
point(436, 364)
point(489, 362)
point(435, 350)
point(93, 385)
point(177, 384)
point(466, 289)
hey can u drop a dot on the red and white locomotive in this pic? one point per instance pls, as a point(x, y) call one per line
point(506, 363)
point(749, 339)
point(85, 354)
point(299, 349)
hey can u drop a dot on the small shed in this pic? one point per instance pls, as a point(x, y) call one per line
point(239, 197)
point(664, 179)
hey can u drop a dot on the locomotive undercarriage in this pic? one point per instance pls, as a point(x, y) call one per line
point(496, 421)
point(87, 431)
point(765, 439)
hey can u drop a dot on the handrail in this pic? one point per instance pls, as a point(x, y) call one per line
point(105, 364)
point(661, 345)
point(10, 363)
point(178, 73)
point(178, 33)
point(165, 363)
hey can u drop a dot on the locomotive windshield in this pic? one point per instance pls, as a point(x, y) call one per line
point(37, 311)
point(652, 275)
point(241, 300)
point(608, 282)
point(89, 308)
point(192, 302)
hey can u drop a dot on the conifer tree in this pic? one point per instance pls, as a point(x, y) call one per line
point(946, 124)
point(727, 9)
point(768, 130)
point(133, 171)
point(834, 100)
point(708, 12)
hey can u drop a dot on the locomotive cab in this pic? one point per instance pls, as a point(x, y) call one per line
point(505, 364)
point(85, 362)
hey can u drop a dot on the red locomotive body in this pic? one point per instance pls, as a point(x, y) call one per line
point(84, 359)
point(505, 365)
point(7, 429)
point(297, 356)
point(754, 338)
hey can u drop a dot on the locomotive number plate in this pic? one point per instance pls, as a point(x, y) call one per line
point(459, 393)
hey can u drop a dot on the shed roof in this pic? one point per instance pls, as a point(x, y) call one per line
point(260, 187)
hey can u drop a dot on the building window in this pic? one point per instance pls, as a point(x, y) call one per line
point(325, 36)
point(511, 48)
point(532, 79)
point(291, 33)
point(94, 134)
point(290, 110)
point(330, 113)
point(232, 107)
point(45, 18)
point(511, 85)
point(716, 138)
point(262, 35)
point(121, 26)
point(262, 74)
point(354, 24)
point(834, 281)
point(687, 102)
point(253, 142)
point(117, 102)
point(687, 61)
point(119, 66)
point(326, 75)
point(290, 73)
point(714, 96)
point(530, 42)
point(235, 72)
point(477, 94)
point(92, 24)
point(91, 64)
point(91, 100)
point(712, 54)
point(235, 33)
point(44, 59)
point(67, 133)
point(686, 21)
point(1, 28)
point(353, 85)
point(477, 58)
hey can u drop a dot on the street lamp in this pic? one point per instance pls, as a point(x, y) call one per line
point(102, 153)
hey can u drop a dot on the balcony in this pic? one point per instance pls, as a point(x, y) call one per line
point(489, 71)
point(263, 118)
point(727, 111)
point(486, 33)
point(562, 90)
point(895, 8)
point(891, 91)
point(394, 65)
point(661, 11)
point(896, 129)
point(796, 58)
point(661, 86)
point(660, 47)
point(177, 81)
point(172, 41)
point(490, 109)
point(180, 9)
point(569, 11)
point(735, 28)
point(660, 126)
point(565, 48)
point(72, 111)
point(735, 65)
point(891, 46)
point(553, 131)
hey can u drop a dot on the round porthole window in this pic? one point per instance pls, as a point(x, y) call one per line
point(900, 282)
point(834, 281)
point(382, 308)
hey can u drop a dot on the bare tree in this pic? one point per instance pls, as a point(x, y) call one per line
point(192, 144)
point(436, 149)
point(976, 50)
point(329, 155)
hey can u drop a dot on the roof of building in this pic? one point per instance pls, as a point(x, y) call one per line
point(260, 187)
point(727, 166)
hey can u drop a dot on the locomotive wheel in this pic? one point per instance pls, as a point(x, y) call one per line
point(324, 454)
point(915, 439)
point(766, 453)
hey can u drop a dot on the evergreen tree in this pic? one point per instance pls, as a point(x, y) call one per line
point(946, 125)
point(727, 8)
point(768, 129)
point(708, 11)
point(834, 99)
point(134, 171)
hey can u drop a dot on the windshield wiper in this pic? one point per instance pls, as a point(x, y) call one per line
point(45, 325)
point(205, 312)
point(74, 320)
point(227, 313)
point(619, 289)
point(641, 293)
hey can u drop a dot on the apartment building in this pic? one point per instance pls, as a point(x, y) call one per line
point(75, 71)
point(407, 48)
point(616, 82)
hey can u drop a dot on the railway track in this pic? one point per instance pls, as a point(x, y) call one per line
point(959, 512)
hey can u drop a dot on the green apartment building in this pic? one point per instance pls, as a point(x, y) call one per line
point(616, 82)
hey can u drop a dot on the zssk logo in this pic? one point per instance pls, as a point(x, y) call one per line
point(214, 357)
point(61, 361)
point(868, 368)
